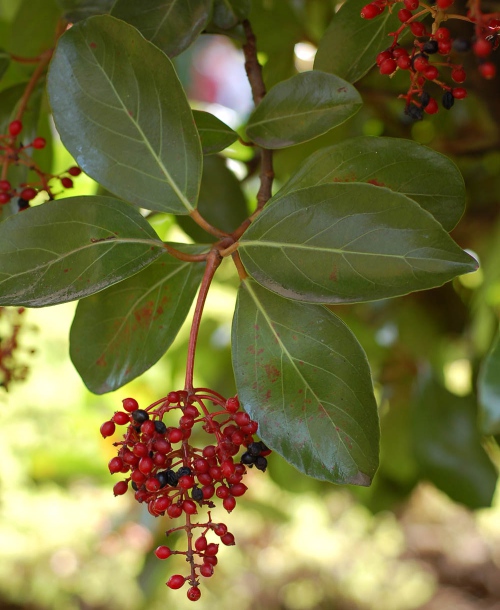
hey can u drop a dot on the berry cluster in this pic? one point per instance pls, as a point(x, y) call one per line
point(14, 152)
point(435, 41)
point(11, 368)
point(175, 478)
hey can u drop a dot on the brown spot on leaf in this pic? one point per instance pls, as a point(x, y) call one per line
point(375, 182)
point(101, 361)
point(272, 372)
point(93, 45)
point(333, 274)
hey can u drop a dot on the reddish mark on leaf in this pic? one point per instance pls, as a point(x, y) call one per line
point(333, 274)
point(375, 182)
point(101, 361)
point(93, 45)
point(130, 113)
point(272, 372)
point(65, 270)
point(268, 395)
point(251, 349)
point(300, 390)
point(260, 350)
point(148, 313)
point(342, 90)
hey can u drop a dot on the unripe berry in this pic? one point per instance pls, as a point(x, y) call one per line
point(120, 488)
point(482, 47)
point(108, 428)
point(458, 75)
point(28, 194)
point(176, 581)
point(121, 418)
point(15, 128)
point(67, 182)
point(130, 404)
point(163, 552)
point(193, 594)
point(76, 171)
point(388, 66)
point(487, 70)
point(39, 143)
point(459, 93)
point(370, 11)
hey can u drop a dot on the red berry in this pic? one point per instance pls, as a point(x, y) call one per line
point(120, 488)
point(148, 428)
point(404, 62)
point(242, 419)
point(76, 171)
point(108, 428)
point(404, 15)
point(211, 560)
point(153, 484)
point(211, 550)
point(173, 397)
point(444, 4)
point(220, 529)
point(238, 490)
point(138, 477)
point(229, 503)
point(121, 418)
point(189, 507)
point(482, 47)
point(432, 106)
point(417, 28)
point(206, 570)
point(28, 194)
point(161, 504)
point(115, 465)
point(175, 435)
point(67, 182)
point(227, 539)
point(200, 543)
point(444, 47)
point(458, 75)
point(459, 93)
point(487, 70)
point(186, 482)
point(194, 594)
point(388, 66)
point(383, 56)
point(232, 404)
point(174, 511)
point(162, 446)
point(420, 63)
point(163, 552)
point(442, 34)
point(5, 185)
point(431, 72)
point(371, 11)
point(15, 128)
point(186, 422)
point(130, 404)
point(207, 491)
point(411, 5)
point(209, 451)
point(222, 491)
point(176, 581)
point(140, 450)
point(146, 465)
point(39, 143)
point(4, 198)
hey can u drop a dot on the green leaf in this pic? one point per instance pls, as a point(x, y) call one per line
point(302, 108)
point(68, 249)
point(130, 128)
point(448, 446)
point(122, 331)
point(351, 44)
point(172, 25)
point(214, 134)
point(4, 62)
point(221, 201)
point(76, 10)
point(303, 376)
point(347, 243)
point(227, 13)
point(488, 387)
point(418, 172)
point(33, 28)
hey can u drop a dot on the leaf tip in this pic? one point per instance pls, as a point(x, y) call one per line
point(360, 478)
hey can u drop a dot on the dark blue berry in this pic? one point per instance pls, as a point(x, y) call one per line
point(431, 47)
point(448, 100)
point(140, 416)
point(160, 427)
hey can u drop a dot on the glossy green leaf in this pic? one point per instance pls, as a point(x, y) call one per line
point(34, 27)
point(488, 388)
point(76, 10)
point(404, 166)
point(228, 13)
point(448, 446)
point(302, 108)
point(68, 249)
point(221, 201)
point(4, 62)
point(123, 115)
point(303, 376)
point(172, 25)
point(214, 134)
point(351, 44)
point(346, 243)
point(120, 332)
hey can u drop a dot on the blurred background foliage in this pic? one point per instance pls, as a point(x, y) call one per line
point(425, 535)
